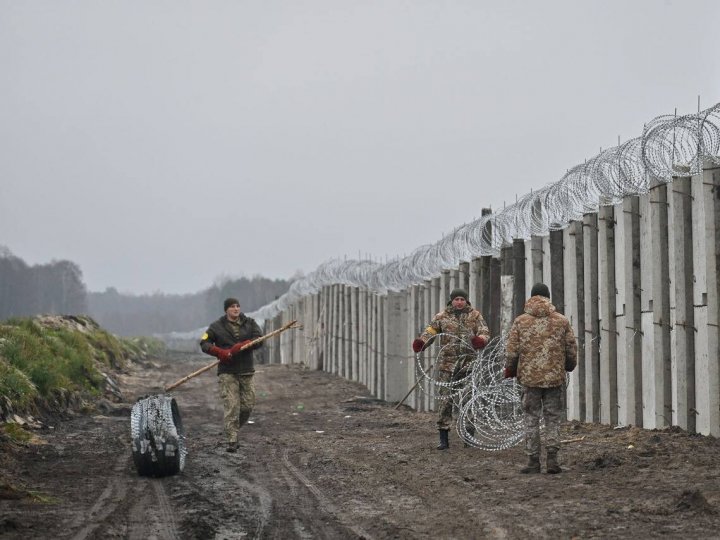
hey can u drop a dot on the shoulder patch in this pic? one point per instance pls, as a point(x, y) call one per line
point(204, 336)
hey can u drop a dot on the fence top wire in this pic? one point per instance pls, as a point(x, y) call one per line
point(670, 146)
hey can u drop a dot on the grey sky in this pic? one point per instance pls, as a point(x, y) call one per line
point(161, 144)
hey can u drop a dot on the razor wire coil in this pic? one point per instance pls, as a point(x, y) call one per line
point(670, 146)
point(157, 436)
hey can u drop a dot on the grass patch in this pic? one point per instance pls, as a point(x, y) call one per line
point(16, 386)
point(47, 359)
point(52, 359)
point(15, 433)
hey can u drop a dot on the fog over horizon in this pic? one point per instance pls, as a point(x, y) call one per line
point(162, 145)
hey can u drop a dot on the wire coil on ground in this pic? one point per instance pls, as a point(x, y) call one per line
point(158, 439)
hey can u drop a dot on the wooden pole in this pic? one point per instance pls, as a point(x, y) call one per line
point(428, 370)
point(291, 324)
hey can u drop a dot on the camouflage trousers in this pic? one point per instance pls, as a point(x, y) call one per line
point(238, 397)
point(445, 403)
point(543, 403)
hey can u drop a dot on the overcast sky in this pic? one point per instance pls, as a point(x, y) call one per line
point(162, 144)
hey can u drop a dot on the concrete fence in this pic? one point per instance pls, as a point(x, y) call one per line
point(638, 281)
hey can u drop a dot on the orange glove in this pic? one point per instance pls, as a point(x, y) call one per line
point(418, 345)
point(478, 342)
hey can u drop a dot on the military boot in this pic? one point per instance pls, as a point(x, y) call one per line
point(444, 443)
point(552, 462)
point(533, 465)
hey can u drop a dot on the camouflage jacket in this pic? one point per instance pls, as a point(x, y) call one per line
point(541, 345)
point(462, 324)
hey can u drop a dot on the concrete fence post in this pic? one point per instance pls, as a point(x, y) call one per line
point(425, 357)
point(534, 263)
point(507, 288)
point(554, 272)
point(628, 320)
point(415, 301)
point(682, 315)
point(464, 276)
point(655, 308)
point(575, 311)
point(705, 188)
point(475, 285)
point(592, 316)
point(608, 314)
point(518, 272)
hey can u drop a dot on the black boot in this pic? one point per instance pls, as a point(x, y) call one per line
point(533, 466)
point(552, 463)
point(444, 443)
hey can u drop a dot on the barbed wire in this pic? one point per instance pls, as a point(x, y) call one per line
point(489, 414)
point(670, 146)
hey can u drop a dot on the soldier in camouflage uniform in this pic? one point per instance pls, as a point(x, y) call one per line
point(460, 324)
point(224, 339)
point(541, 347)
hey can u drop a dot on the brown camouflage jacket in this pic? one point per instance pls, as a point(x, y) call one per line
point(541, 345)
point(462, 324)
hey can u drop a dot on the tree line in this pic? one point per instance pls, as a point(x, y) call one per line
point(158, 313)
point(58, 288)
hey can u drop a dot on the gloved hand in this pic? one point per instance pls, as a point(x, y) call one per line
point(224, 355)
point(509, 373)
point(418, 345)
point(569, 366)
point(236, 348)
point(478, 342)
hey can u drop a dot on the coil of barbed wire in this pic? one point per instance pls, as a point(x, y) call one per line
point(465, 356)
point(489, 410)
point(489, 415)
point(669, 146)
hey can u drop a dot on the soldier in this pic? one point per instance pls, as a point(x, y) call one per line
point(460, 324)
point(224, 339)
point(540, 348)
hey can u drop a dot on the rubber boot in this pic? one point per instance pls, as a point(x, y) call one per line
point(533, 466)
point(444, 443)
point(552, 462)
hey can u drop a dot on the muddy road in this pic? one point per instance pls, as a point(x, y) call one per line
point(322, 459)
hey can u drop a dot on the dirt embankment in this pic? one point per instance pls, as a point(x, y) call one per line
point(322, 459)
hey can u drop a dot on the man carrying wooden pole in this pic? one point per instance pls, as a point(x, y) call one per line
point(229, 339)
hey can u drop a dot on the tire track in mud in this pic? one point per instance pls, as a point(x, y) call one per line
point(143, 511)
point(151, 515)
point(270, 498)
point(166, 522)
point(260, 494)
point(105, 505)
point(323, 501)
